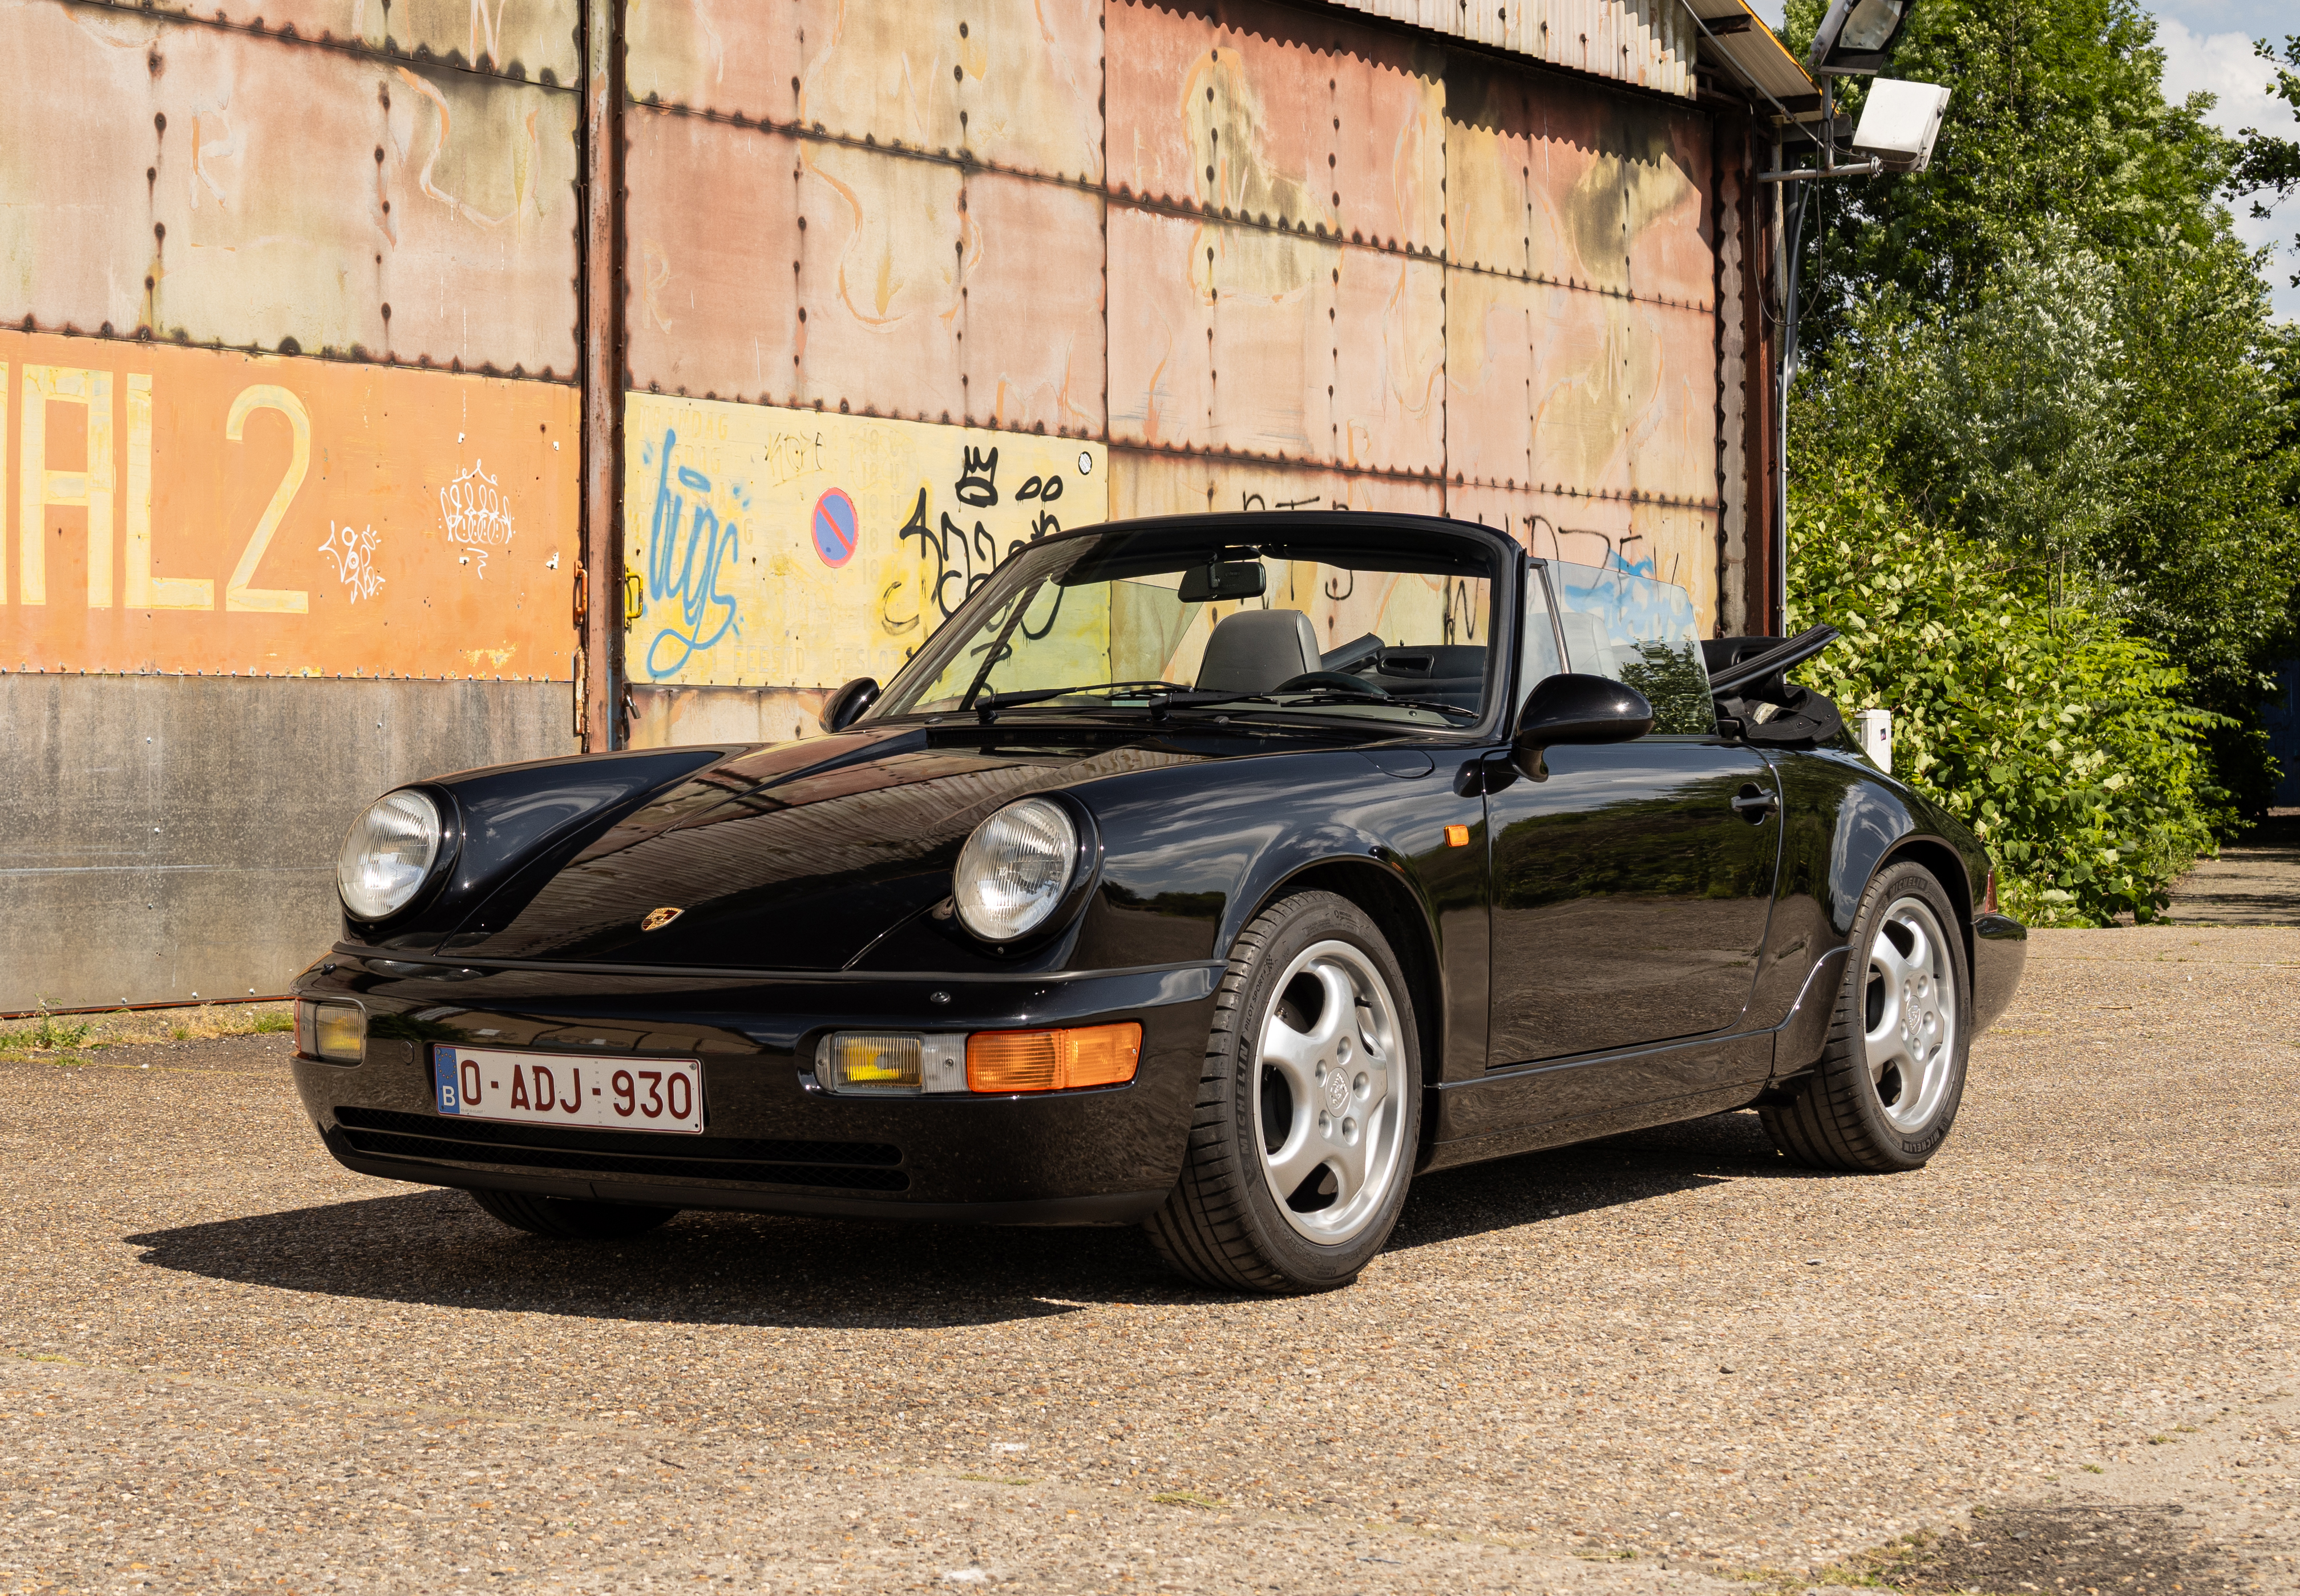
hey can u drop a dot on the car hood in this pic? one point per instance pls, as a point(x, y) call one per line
point(796, 857)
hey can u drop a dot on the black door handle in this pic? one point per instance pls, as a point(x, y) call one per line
point(1756, 803)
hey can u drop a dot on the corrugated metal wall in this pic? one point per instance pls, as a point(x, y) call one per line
point(290, 383)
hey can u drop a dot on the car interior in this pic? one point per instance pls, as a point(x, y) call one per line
point(1260, 650)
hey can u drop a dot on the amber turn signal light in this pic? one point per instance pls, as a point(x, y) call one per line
point(1053, 1060)
point(1457, 836)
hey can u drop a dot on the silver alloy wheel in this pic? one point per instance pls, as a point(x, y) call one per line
point(1909, 1014)
point(1324, 1121)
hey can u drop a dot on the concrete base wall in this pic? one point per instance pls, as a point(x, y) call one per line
point(163, 838)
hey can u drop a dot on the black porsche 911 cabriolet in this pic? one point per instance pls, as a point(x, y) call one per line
point(1215, 874)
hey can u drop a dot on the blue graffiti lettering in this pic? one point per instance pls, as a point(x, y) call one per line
point(684, 563)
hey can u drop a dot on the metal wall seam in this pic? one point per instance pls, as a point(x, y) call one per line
point(598, 590)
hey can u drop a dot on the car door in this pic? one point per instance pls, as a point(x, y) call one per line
point(1632, 881)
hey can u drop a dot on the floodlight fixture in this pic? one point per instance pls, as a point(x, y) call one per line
point(1899, 123)
point(1857, 37)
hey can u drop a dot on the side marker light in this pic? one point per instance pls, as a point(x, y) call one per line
point(1457, 836)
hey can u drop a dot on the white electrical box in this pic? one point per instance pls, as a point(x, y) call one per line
point(1875, 730)
point(1899, 123)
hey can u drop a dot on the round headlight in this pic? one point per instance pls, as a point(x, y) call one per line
point(1015, 869)
point(387, 854)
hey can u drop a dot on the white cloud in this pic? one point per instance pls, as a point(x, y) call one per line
point(2224, 65)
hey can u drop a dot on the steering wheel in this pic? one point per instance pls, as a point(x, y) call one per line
point(1330, 681)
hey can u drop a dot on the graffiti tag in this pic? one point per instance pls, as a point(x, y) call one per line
point(353, 553)
point(688, 548)
point(477, 515)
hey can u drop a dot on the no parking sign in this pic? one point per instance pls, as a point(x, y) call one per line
point(834, 528)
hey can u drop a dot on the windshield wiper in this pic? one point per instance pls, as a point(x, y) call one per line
point(1334, 695)
point(987, 707)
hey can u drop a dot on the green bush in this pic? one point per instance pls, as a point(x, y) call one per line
point(2058, 738)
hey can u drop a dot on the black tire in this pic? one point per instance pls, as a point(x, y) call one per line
point(571, 1219)
point(1225, 1225)
point(1845, 1115)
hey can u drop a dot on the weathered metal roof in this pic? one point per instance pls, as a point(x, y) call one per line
point(1650, 43)
point(1738, 40)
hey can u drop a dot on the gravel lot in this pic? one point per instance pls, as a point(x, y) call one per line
point(2060, 1357)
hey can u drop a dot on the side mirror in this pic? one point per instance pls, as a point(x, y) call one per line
point(845, 707)
point(1578, 709)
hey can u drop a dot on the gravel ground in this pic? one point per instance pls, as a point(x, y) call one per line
point(1641, 1365)
point(2255, 882)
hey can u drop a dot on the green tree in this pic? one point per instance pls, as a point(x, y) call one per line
point(2053, 344)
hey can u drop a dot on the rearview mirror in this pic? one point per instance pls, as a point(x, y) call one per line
point(1578, 709)
point(845, 707)
point(1224, 579)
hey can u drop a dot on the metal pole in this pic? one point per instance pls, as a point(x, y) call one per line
point(598, 582)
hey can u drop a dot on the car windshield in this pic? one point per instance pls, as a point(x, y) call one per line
point(1357, 621)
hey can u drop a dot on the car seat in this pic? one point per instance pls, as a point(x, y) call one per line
point(1255, 651)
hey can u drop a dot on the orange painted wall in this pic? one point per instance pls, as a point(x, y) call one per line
point(187, 509)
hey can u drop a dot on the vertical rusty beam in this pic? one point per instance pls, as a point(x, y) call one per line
point(598, 589)
point(1761, 282)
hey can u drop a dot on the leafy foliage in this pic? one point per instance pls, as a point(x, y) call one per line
point(2052, 346)
point(2058, 737)
point(2270, 164)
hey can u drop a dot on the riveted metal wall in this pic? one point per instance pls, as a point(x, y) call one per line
point(322, 324)
point(286, 391)
point(1269, 255)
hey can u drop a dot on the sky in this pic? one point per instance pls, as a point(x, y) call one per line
point(2208, 45)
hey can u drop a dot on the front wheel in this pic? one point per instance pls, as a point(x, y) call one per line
point(571, 1219)
point(1308, 1110)
point(1892, 1074)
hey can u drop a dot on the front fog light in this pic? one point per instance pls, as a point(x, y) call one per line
point(336, 1032)
point(890, 1063)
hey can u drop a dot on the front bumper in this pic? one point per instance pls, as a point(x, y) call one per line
point(773, 1140)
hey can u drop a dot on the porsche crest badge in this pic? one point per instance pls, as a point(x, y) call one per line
point(657, 918)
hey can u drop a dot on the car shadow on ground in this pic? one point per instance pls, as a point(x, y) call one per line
point(435, 1247)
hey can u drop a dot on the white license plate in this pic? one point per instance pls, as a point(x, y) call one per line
point(642, 1094)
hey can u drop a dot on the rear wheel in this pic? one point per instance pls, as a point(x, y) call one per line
point(1892, 1074)
point(571, 1219)
point(1308, 1110)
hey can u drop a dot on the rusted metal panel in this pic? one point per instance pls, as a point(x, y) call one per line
point(1585, 391)
point(1673, 442)
point(861, 279)
point(1012, 83)
point(1030, 291)
point(209, 185)
point(516, 38)
point(1280, 117)
point(789, 548)
point(1262, 343)
point(1490, 377)
point(1649, 42)
point(188, 510)
point(1144, 483)
point(1491, 119)
point(1668, 192)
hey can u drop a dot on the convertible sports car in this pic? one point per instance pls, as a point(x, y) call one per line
point(1216, 874)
